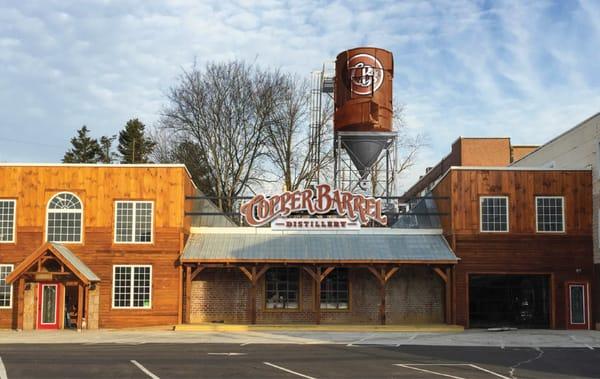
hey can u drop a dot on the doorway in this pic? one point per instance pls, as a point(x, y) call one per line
point(521, 301)
point(577, 305)
point(48, 306)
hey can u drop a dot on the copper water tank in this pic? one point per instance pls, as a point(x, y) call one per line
point(363, 90)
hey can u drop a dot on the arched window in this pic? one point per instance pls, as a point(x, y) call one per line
point(64, 219)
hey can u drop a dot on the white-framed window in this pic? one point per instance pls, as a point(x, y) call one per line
point(8, 212)
point(550, 213)
point(132, 286)
point(64, 218)
point(134, 221)
point(493, 213)
point(6, 290)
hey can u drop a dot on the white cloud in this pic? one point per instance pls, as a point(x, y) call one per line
point(522, 69)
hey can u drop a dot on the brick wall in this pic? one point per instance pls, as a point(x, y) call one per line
point(414, 295)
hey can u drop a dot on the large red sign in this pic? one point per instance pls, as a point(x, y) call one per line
point(355, 207)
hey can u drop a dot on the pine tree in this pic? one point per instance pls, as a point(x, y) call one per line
point(134, 146)
point(108, 156)
point(85, 148)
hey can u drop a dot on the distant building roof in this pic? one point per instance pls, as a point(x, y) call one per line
point(365, 246)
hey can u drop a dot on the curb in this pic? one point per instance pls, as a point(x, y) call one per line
point(214, 327)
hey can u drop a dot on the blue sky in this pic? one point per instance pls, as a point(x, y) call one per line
point(523, 69)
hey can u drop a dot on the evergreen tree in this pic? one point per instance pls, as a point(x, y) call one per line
point(134, 146)
point(108, 156)
point(85, 148)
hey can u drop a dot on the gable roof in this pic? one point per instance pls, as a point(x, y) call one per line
point(64, 255)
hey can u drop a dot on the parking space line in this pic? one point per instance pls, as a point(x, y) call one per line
point(411, 366)
point(289, 371)
point(489, 371)
point(3, 374)
point(429, 371)
point(144, 369)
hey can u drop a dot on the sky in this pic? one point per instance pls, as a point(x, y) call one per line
point(521, 69)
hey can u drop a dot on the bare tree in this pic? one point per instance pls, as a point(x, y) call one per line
point(222, 111)
point(289, 146)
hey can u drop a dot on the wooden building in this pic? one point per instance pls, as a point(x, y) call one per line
point(111, 246)
point(91, 245)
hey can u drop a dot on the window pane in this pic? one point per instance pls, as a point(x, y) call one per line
point(133, 221)
point(334, 290)
point(5, 289)
point(7, 220)
point(143, 222)
point(550, 214)
point(494, 214)
point(122, 286)
point(132, 286)
point(282, 288)
point(124, 222)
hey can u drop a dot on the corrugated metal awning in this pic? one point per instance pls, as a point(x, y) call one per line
point(243, 246)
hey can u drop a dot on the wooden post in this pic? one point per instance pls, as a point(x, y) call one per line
point(20, 299)
point(382, 286)
point(188, 294)
point(86, 312)
point(79, 306)
point(446, 278)
point(253, 276)
point(448, 292)
point(383, 276)
point(318, 296)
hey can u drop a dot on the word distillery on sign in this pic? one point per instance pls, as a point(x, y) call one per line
point(314, 224)
point(354, 207)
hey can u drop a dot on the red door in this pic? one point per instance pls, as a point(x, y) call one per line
point(48, 306)
point(578, 315)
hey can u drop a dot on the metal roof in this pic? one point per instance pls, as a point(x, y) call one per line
point(313, 247)
point(76, 262)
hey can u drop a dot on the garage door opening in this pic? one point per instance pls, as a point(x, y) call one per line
point(521, 301)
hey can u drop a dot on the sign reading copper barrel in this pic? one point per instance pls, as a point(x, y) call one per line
point(363, 90)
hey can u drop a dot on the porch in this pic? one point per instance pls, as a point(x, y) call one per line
point(55, 290)
point(372, 276)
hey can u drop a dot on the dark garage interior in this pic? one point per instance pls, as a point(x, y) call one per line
point(509, 301)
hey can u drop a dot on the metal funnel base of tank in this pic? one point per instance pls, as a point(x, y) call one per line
point(364, 148)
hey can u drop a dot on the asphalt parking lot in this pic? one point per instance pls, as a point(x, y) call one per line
point(292, 361)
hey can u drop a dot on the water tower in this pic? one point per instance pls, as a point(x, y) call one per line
point(364, 150)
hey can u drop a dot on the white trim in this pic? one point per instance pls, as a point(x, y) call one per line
point(133, 222)
point(82, 210)
point(14, 225)
point(584, 291)
point(12, 267)
point(132, 281)
point(56, 310)
point(507, 214)
point(265, 230)
point(564, 222)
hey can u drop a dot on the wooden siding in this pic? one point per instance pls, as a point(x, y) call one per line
point(562, 256)
point(98, 188)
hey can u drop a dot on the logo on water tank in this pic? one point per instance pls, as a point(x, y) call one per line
point(366, 74)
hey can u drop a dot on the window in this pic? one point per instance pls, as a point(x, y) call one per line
point(7, 220)
point(282, 288)
point(494, 213)
point(65, 214)
point(132, 286)
point(5, 289)
point(133, 221)
point(550, 216)
point(334, 290)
